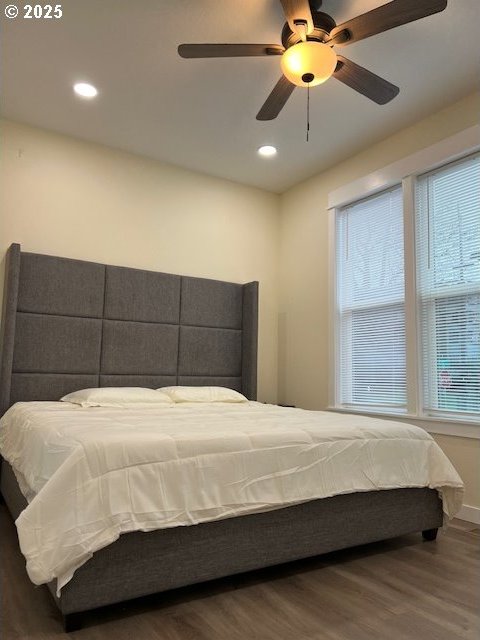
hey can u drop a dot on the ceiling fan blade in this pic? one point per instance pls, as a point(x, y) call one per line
point(365, 82)
point(386, 17)
point(276, 100)
point(298, 10)
point(228, 50)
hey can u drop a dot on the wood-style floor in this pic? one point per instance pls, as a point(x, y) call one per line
point(402, 589)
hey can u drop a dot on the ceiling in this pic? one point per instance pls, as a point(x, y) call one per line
point(200, 114)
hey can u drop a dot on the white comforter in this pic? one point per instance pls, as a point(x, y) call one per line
point(91, 474)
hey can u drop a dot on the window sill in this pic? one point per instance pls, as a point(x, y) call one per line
point(442, 426)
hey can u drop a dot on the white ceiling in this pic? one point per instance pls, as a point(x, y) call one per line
point(200, 114)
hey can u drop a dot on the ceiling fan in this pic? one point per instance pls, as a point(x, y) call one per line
point(307, 55)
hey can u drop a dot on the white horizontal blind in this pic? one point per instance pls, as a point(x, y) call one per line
point(448, 288)
point(370, 304)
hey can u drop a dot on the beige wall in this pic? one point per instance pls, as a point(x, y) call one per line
point(304, 312)
point(63, 197)
point(465, 456)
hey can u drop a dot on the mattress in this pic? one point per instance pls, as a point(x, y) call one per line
point(91, 474)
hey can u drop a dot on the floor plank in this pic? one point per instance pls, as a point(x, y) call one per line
point(402, 589)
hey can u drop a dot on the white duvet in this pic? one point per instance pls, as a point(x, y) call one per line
point(90, 474)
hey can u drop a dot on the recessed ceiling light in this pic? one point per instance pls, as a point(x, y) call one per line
point(267, 150)
point(85, 90)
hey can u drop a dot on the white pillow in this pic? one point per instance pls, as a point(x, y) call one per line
point(116, 397)
point(202, 394)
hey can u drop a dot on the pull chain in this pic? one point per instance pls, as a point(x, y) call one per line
point(308, 110)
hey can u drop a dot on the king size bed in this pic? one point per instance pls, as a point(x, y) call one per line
point(228, 486)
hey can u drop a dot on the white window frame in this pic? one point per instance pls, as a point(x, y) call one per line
point(404, 171)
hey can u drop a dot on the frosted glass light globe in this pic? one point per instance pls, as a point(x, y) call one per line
point(306, 59)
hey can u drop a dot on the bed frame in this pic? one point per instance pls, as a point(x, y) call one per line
point(70, 324)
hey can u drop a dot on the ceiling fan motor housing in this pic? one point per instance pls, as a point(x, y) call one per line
point(323, 24)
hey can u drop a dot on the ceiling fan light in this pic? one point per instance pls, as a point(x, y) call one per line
point(308, 63)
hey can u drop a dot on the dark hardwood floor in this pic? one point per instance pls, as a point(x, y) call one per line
point(402, 589)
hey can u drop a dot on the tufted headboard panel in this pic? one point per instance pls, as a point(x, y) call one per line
point(70, 324)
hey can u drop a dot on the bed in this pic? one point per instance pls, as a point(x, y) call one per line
point(70, 324)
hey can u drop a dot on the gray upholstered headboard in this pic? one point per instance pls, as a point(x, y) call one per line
point(69, 324)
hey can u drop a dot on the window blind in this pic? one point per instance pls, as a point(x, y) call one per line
point(448, 287)
point(370, 303)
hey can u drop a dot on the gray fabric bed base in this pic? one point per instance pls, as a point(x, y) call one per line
point(139, 564)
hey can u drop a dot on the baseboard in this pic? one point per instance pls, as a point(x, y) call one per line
point(470, 514)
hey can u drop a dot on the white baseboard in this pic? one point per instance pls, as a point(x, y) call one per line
point(470, 514)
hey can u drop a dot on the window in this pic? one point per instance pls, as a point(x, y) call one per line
point(448, 275)
point(377, 349)
point(371, 302)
